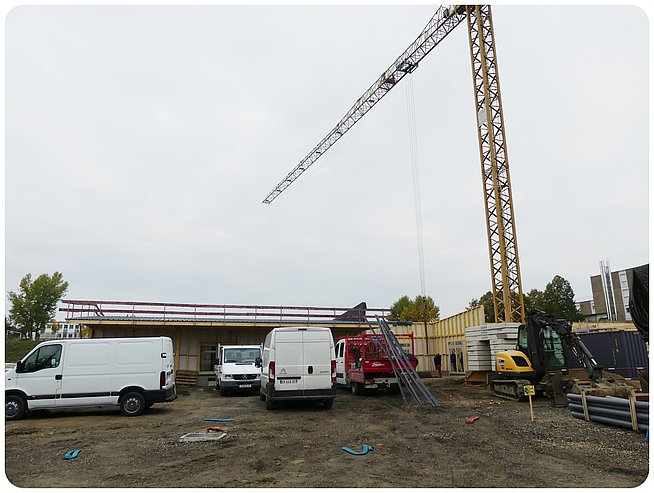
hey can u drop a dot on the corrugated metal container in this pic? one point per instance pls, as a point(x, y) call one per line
point(618, 351)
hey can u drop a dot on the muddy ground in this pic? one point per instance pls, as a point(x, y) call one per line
point(300, 445)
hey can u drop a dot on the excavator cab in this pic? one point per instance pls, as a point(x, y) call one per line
point(544, 346)
point(539, 350)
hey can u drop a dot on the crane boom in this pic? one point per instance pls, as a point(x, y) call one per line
point(508, 303)
point(439, 26)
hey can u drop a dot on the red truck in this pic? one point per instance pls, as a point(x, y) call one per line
point(362, 362)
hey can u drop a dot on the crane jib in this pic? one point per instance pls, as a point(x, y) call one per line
point(439, 26)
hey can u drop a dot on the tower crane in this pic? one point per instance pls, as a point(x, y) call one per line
point(508, 302)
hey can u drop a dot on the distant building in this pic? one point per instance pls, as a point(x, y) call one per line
point(587, 309)
point(64, 330)
point(610, 295)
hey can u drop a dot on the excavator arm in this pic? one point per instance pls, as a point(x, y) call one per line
point(571, 340)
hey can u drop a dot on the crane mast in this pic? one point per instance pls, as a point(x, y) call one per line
point(500, 223)
point(502, 243)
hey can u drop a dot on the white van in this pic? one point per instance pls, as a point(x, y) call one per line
point(299, 363)
point(132, 373)
point(238, 368)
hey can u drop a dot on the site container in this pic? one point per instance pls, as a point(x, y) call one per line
point(617, 351)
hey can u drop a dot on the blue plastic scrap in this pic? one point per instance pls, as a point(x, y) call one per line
point(71, 454)
point(366, 448)
point(220, 420)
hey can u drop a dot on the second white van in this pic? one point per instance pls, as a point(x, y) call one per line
point(299, 363)
point(237, 368)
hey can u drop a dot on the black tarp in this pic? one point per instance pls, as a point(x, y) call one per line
point(356, 314)
point(639, 300)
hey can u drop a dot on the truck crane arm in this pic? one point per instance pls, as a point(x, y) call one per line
point(439, 26)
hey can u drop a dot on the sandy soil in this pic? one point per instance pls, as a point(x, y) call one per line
point(300, 445)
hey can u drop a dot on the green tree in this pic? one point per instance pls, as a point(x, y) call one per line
point(420, 309)
point(486, 301)
point(534, 301)
point(35, 303)
point(399, 307)
point(559, 299)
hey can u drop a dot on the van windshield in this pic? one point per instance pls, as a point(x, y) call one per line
point(242, 356)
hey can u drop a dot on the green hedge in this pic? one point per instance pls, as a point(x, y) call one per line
point(15, 349)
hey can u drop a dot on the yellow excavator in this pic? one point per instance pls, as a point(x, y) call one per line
point(552, 358)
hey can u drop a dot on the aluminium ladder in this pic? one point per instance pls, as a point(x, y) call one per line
point(404, 371)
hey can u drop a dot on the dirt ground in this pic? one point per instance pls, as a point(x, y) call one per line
point(300, 445)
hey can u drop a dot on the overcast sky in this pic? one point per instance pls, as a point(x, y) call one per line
point(141, 141)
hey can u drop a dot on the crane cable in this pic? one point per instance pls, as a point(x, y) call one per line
point(415, 171)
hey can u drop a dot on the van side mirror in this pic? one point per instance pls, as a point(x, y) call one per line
point(257, 362)
point(20, 367)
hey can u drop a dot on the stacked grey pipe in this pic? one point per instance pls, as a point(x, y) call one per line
point(610, 410)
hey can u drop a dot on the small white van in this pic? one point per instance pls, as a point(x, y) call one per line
point(238, 368)
point(299, 363)
point(132, 373)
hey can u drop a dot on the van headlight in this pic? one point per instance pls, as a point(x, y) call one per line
point(228, 377)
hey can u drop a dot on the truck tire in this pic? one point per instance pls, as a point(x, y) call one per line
point(329, 403)
point(394, 388)
point(15, 407)
point(356, 388)
point(132, 404)
point(222, 391)
point(270, 405)
point(262, 396)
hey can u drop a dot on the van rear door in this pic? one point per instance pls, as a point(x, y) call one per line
point(317, 359)
point(289, 361)
point(168, 360)
point(340, 362)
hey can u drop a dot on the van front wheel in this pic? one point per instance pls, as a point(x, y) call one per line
point(132, 404)
point(14, 407)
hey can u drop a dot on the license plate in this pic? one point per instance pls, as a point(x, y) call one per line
point(288, 380)
point(245, 386)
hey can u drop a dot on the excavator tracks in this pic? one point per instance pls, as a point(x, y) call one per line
point(510, 389)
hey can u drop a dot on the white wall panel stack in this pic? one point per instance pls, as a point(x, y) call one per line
point(483, 342)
